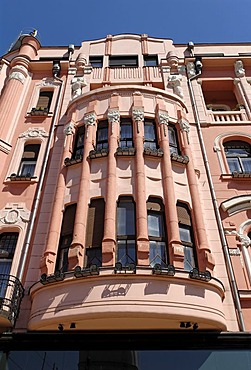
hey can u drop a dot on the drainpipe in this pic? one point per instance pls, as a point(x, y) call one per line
point(29, 234)
point(230, 271)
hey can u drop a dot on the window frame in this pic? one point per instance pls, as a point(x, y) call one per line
point(126, 122)
point(148, 59)
point(125, 61)
point(8, 258)
point(163, 260)
point(173, 147)
point(26, 161)
point(102, 143)
point(126, 238)
point(96, 61)
point(151, 143)
point(237, 156)
point(79, 147)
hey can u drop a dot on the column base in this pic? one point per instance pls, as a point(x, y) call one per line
point(177, 253)
point(206, 260)
point(75, 256)
point(108, 252)
point(47, 263)
point(143, 252)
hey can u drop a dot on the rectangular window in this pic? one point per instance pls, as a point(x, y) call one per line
point(126, 134)
point(66, 236)
point(95, 232)
point(44, 100)
point(126, 230)
point(173, 143)
point(156, 232)
point(102, 135)
point(29, 160)
point(150, 60)
point(8, 242)
point(123, 61)
point(186, 235)
point(79, 143)
point(150, 140)
point(96, 61)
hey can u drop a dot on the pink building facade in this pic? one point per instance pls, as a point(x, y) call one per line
point(125, 183)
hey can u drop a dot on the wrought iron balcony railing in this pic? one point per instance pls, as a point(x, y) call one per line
point(11, 294)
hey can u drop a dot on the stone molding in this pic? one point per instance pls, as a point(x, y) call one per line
point(34, 133)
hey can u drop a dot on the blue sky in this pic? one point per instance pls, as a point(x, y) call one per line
point(64, 22)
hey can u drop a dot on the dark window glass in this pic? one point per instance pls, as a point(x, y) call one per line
point(173, 143)
point(102, 135)
point(8, 242)
point(44, 100)
point(95, 232)
point(123, 61)
point(66, 237)
point(96, 61)
point(238, 156)
point(186, 235)
point(29, 160)
point(126, 248)
point(150, 60)
point(150, 140)
point(126, 134)
point(79, 143)
point(156, 232)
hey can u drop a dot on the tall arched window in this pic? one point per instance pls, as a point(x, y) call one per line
point(126, 230)
point(238, 154)
point(95, 232)
point(66, 237)
point(186, 235)
point(157, 232)
point(79, 143)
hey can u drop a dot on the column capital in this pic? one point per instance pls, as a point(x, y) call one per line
point(138, 114)
point(113, 116)
point(18, 72)
point(184, 125)
point(90, 119)
point(69, 129)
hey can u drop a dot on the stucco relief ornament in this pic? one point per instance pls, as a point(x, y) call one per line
point(113, 117)
point(89, 120)
point(244, 239)
point(17, 76)
point(191, 72)
point(138, 116)
point(175, 82)
point(184, 125)
point(77, 84)
point(14, 213)
point(69, 129)
point(239, 68)
point(164, 120)
point(34, 132)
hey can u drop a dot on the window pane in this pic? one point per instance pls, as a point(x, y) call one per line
point(27, 168)
point(157, 253)
point(125, 131)
point(155, 226)
point(149, 132)
point(125, 219)
point(151, 60)
point(185, 234)
point(234, 164)
point(189, 262)
point(246, 164)
point(126, 252)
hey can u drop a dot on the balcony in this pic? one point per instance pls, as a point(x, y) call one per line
point(11, 294)
point(129, 299)
point(228, 116)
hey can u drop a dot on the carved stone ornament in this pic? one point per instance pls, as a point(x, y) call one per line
point(113, 116)
point(77, 84)
point(239, 68)
point(34, 132)
point(90, 119)
point(191, 69)
point(17, 76)
point(138, 115)
point(175, 82)
point(243, 238)
point(49, 81)
point(184, 125)
point(69, 129)
point(164, 120)
point(14, 213)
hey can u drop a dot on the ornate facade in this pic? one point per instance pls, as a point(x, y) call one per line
point(125, 186)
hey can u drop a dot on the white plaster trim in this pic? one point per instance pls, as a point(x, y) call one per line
point(5, 147)
point(89, 120)
point(138, 116)
point(113, 117)
point(163, 119)
point(191, 69)
point(218, 147)
point(34, 132)
point(236, 205)
point(14, 214)
point(175, 82)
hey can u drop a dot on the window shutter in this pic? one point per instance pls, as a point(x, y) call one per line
point(95, 223)
point(68, 220)
point(183, 215)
